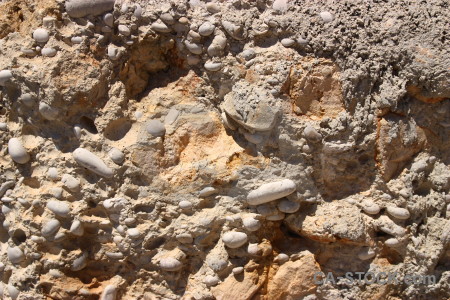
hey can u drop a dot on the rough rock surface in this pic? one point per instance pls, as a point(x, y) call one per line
point(186, 110)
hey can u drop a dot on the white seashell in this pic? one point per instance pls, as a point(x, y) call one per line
point(271, 191)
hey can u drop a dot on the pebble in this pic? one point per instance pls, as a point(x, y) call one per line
point(59, 208)
point(28, 52)
point(48, 112)
point(311, 134)
point(207, 191)
point(281, 258)
point(5, 75)
point(17, 152)
point(212, 7)
point(137, 11)
point(276, 217)
point(83, 8)
point(254, 138)
point(237, 270)
point(116, 156)
point(134, 233)
point(216, 263)
point(326, 16)
point(211, 280)
point(167, 18)
point(370, 207)
point(159, 26)
point(366, 254)
point(50, 228)
point(79, 263)
point(170, 264)
point(171, 116)
point(76, 228)
point(217, 46)
point(194, 36)
point(27, 99)
point(271, 191)
point(71, 182)
point(206, 29)
point(193, 47)
point(280, 5)
point(52, 174)
point(109, 293)
point(213, 66)
point(288, 207)
point(302, 42)
point(235, 31)
point(108, 19)
point(185, 238)
point(15, 255)
point(124, 30)
point(287, 42)
point(251, 224)
point(92, 162)
point(184, 204)
point(23, 202)
point(234, 239)
point(398, 212)
point(13, 292)
point(253, 249)
point(48, 52)
point(392, 242)
point(113, 52)
point(77, 131)
point(248, 54)
point(41, 35)
point(156, 128)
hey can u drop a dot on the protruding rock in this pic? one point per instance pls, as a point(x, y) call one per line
point(92, 162)
point(398, 212)
point(76, 228)
point(50, 228)
point(271, 191)
point(17, 152)
point(234, 239)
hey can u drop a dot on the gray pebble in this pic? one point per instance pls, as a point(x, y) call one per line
point(212, 7)
point(76, 40)
point(156, 128)
point(48, 112)
point(213, 66)
point(109, 293)
point(206, 29)
point(79, 263)
point(83, 8)
point(311, 134)
point(124, 30)
point(17, 152)
point(92, 162)
point(171, 116)
point(59, 208)
point(52, 174)
point(27, 99)
point(15, 255)
point(288, 207)
point(170, 264)
point(5, 75)
point(248, 54)
point(76, 228)
point(50, 228)
point(71, 182)
point(185, 238)
point(48, 52)
point(108, 19)
point(41, 35)
point(159, 26)
point(116, 156)
point(326, 16)
point(207, 191)
point(287, 42)
point(184, 204)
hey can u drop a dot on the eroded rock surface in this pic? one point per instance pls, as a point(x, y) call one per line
point(223, 149)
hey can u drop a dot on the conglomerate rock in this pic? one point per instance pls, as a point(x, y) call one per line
point(224, 149)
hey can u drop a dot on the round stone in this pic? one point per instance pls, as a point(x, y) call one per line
point(156, 128)
point(41, 35)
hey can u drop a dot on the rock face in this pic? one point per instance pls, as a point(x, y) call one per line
point(223, 149)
